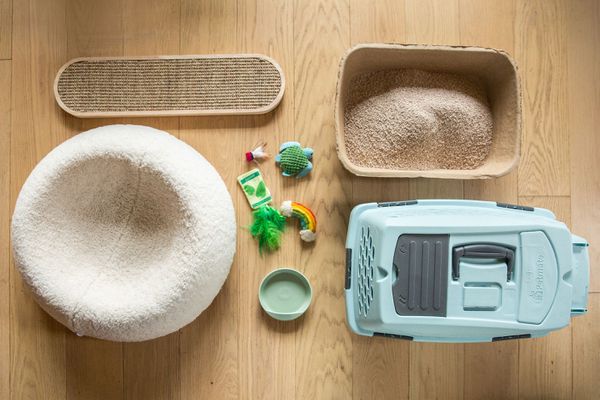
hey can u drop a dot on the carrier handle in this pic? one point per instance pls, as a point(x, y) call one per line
point(483, 250)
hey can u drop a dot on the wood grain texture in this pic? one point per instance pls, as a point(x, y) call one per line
point(541, 53)
point(233, 350)
point(323, 342)
point(435, 22)
point(436, 370)
point(545, 364)
point(94, 368)
point(151, 27)
point(209, 348)
point(375, 362)
point(502, 357)
point(151, 370)
point(5, 85)
point(489, 23)
point(37, 342)
point(5, 29)
point(584, 122)
point(586, 351)
point(210, 345)
point(491, 370)
point(432, 22)
point(266, 27)
point(94, 29)
point(377, 21)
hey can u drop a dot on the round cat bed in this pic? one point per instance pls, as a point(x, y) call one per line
point(124, 233)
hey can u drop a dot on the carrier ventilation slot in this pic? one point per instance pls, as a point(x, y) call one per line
point(397, 203)
point(514, 207)
point(365, 271)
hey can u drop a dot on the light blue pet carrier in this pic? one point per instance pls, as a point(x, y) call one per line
point(462, 271)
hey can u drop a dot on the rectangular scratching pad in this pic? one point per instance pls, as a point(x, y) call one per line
point(169, 85)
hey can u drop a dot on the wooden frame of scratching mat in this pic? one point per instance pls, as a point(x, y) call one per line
point(223, 84)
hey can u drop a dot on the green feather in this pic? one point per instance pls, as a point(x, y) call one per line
point(267, 227)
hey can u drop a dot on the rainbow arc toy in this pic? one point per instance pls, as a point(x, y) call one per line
point(306, 218)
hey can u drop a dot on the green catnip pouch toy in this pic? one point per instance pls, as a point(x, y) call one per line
point(255, 189)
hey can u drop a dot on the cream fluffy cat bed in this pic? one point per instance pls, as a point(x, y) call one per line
point(124, 233)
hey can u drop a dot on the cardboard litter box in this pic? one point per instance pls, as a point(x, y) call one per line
point(495, 69)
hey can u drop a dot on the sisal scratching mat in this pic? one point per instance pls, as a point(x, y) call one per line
point(169, 85)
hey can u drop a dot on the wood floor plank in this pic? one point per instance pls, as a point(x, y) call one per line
point(151, 27)
point(209, 346)
point(94, 29)
point(433, 22)
point(476, 28)
point(584, 120)
point(436, 370)
point(377, 361)
point(490, 24)
point(151, 369)
point(5, 29)
point(422, 188)
point(541, 53)
point(94, 367)
point(377, 21)
point(545, 364)
point(233, 350)
point(586, 351)
point(5, 89)
point(37, 343)
point(500, 357)
point(266, 27)
point(323, 341)
point(545, 367)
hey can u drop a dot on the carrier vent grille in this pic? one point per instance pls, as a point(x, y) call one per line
point(364, 278)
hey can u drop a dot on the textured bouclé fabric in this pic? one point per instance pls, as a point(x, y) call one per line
point(124, 233)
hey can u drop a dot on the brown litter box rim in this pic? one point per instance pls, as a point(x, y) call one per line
point(171, 113)
point(432, 173)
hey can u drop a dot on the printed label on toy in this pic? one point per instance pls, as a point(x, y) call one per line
point(254, 188)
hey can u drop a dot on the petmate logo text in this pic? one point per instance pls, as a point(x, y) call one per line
point(536, 280)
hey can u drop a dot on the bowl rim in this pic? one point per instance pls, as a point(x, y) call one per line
point(285, 271)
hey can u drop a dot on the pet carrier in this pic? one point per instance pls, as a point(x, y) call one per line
point(462, 271)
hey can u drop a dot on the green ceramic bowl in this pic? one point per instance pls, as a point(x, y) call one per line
point(285, 294)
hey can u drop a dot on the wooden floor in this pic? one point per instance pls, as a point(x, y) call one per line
point(232, 350)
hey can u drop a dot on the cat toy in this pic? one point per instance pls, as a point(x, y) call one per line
point(308, 222)
point(294, 160)
point(259, 153)
point(267, 227)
